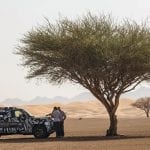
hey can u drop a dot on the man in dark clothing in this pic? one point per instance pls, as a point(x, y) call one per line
point(62, 118)
point(56, 115)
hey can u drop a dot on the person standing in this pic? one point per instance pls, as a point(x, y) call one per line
point(62, 118)
point(56, 115)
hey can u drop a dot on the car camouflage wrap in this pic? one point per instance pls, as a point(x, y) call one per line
point(17, 121)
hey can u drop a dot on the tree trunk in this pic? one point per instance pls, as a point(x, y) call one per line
point(147, 114)
point(112, 131)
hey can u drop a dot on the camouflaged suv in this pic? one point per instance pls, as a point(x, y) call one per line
point(17, 121)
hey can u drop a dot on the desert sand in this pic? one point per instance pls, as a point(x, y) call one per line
point(87, 134)
point(89, 109)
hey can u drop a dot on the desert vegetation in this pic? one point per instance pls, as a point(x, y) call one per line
point(106, 57)
point(143, 104)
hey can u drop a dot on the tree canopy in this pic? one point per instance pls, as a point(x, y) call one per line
point(143, 104)
point(106, 57)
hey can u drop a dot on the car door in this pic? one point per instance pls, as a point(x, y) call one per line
point(18, 121)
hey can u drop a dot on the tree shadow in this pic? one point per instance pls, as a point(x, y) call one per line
point(70, 139)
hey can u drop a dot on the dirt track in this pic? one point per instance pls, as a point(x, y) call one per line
point(87, 134)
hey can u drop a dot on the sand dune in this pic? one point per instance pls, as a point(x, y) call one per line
point(89, 109)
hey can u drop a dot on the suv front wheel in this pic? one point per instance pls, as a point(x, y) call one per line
point(40, 132)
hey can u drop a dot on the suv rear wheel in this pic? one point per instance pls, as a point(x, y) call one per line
point(40, 132)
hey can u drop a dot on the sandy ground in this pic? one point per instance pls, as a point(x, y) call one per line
point(87, 134)
point(89, 109)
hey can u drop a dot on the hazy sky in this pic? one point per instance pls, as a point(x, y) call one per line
point(19, 16)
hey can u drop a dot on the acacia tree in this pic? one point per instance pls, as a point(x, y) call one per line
point(143, 104)
point(105, 57)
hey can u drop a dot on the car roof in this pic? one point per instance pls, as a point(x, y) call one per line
point(8, 108)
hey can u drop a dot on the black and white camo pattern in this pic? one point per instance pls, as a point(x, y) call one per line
point(23, 124)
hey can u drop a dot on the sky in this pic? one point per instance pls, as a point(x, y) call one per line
point(19, 16)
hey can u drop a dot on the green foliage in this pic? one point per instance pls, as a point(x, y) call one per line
point(94, 51)
point(90, 46)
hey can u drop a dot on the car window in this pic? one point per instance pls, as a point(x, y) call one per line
point(18, 113)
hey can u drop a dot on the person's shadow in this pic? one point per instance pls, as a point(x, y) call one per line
point(69, 139)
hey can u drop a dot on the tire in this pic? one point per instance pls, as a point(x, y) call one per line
point(40, 132)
